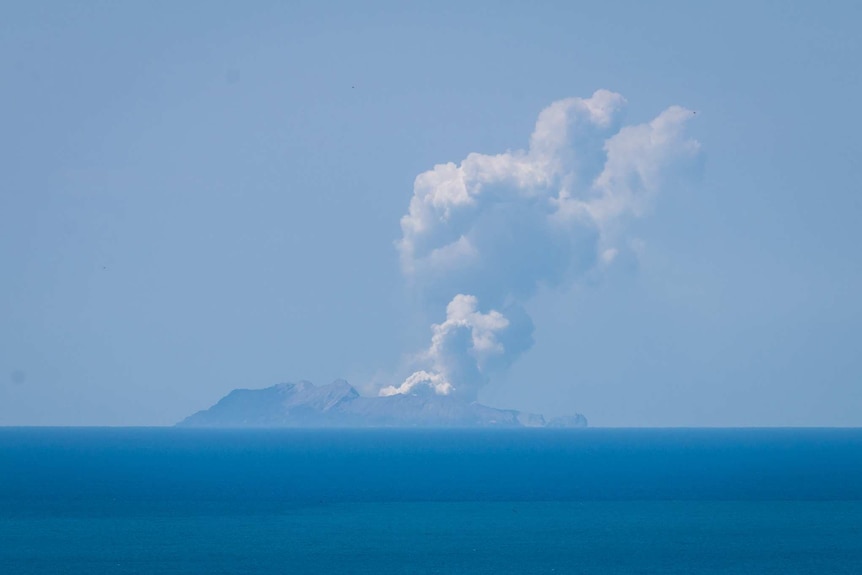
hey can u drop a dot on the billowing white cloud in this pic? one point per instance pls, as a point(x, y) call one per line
point(420, 379)
point(499, 226)
point(464, 348)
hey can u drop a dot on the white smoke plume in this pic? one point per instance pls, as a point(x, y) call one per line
point(465, 347)
point(497, 227)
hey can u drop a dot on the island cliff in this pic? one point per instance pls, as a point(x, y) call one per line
point(338, 404)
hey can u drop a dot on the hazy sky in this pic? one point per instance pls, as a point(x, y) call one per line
point(196, 197)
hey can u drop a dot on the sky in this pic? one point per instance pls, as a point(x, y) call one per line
point(197, 197)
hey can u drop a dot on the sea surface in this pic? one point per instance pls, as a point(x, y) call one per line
point(594, 501)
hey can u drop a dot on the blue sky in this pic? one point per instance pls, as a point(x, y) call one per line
point(200, 197)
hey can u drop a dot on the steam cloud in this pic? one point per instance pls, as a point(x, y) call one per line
point(493, 228)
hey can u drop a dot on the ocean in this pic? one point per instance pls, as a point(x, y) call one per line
point(592, 501)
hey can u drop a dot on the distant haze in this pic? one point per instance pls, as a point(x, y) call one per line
point(647, 213)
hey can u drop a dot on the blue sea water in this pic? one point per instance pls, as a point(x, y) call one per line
point(184, 501)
